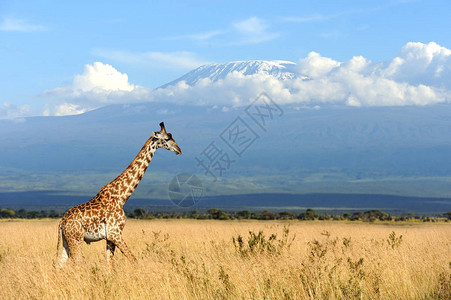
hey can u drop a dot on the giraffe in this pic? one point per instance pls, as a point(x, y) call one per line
point(103, 217)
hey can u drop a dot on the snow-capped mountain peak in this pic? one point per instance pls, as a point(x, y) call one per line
point(279, 69)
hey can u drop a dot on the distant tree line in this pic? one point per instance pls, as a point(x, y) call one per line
point(217, 214)
point(309, 214)
point(6, 213)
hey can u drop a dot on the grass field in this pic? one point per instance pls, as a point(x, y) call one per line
point(188, 259)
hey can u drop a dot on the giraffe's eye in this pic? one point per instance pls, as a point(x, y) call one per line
point(167, 140)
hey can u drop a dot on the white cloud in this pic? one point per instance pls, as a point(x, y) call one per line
point(181, 60)
point(235, 89)
point(13, 24)
point(418, 75)
point(14, 112)
point(251, 26)
point(314, 65)
point(252, 30)
point(200, 36)
point(359, 82)
point(103, 77)
point(99, 85)
point(419, 63)
point(63, 110)
point(185, 60)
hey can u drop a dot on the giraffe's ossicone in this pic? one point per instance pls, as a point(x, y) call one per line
point(103, 217)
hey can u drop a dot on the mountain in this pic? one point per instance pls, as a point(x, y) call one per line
point(277, 68)
point(289, 150)
point(385, 149)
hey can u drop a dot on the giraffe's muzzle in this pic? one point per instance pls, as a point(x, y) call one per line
point(178, 151)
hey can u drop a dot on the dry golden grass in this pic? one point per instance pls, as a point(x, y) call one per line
point(188, 259)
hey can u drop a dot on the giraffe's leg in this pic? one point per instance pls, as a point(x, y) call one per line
point(116, 238)
point(74, 238)
point(75, 249)
point(110, 247)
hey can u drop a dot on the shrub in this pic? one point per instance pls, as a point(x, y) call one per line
point(267, 215)
point(309, 214)
point(393, 240)
point(244, 214)
point(257, 243)
point(286, 215)
point(218, 214)
point(7, 213)
point(376, 214)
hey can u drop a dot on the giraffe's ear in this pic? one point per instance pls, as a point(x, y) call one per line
point(162, 127)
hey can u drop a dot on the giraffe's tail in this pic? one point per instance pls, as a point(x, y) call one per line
point(60, 237)
point(62, 256)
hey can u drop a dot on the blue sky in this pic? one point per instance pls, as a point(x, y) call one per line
point(44, 45)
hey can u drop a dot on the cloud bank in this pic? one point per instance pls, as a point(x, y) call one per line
point(19, 25)
point(249, 31)
point(418, 75)
point(14, 112)
point(170, 60)
point(99, 85)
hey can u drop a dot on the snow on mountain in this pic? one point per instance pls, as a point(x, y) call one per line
point(418, 75)
point(279, 69)
point(314, 80)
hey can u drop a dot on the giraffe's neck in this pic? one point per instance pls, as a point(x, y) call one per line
point(121, 188)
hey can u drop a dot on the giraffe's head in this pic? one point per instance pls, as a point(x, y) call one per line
point(164, 140)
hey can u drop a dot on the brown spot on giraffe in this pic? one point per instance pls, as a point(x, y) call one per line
point(103, 217)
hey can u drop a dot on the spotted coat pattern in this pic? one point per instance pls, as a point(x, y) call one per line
point(103, 217)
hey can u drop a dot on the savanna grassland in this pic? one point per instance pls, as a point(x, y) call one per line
point(189, 259)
